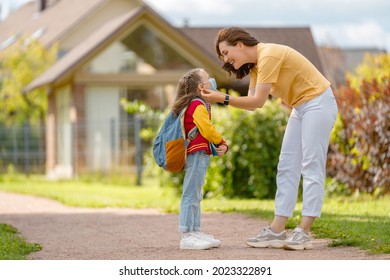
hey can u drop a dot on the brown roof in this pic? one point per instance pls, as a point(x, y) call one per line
point(334, 65)
point(299, 38)
point(338, 61)
point(84, 51)
point(355, 56)
point(64, 15)
point(58, 18)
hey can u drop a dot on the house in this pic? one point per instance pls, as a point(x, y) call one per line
point(113, 49)
point(338, 61)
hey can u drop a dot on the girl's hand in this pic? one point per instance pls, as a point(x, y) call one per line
point(221, 150)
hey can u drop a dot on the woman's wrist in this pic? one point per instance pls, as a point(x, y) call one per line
point(221, 97)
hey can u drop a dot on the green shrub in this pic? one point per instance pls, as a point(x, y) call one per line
point(251, 164)
point(249, 168)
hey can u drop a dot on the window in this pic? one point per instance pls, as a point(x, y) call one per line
point(141, 52)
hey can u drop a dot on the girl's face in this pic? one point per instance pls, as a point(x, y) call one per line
point(204, 77)
point(232, 54)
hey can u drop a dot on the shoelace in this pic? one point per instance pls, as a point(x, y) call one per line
point(262, 232)
point(295, 236)
point(200, 233)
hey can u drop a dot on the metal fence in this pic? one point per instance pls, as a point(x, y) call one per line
point(98, 146)
point(22, 147)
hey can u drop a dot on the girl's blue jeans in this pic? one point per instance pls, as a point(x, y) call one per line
point(195, 173)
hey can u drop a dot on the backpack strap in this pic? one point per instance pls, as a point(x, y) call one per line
point(183, 130)
point(207, 105)
point(196, 131)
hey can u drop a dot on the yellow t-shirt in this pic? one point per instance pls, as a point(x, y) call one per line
point(293, 77)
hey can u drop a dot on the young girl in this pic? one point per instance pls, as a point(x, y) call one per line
point(197, 114)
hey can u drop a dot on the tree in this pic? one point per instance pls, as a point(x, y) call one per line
point(360, 145)
point(374, 68)
point(19, 65)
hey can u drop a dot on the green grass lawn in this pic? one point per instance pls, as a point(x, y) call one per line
point(13, 246)
point(356, 221)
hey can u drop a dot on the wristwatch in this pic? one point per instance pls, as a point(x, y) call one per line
point(226, 101)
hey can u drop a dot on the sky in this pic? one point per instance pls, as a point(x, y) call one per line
point(338, 23)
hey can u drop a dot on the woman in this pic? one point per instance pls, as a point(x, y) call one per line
point(284, 73)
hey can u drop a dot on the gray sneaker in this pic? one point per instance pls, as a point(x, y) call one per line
point(267, 238)
point(298, 241)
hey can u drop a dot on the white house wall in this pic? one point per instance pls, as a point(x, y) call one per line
point(63, 167)
point(109, 61)
point(102, 122)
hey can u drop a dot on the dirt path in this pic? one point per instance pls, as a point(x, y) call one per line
point(68, 233)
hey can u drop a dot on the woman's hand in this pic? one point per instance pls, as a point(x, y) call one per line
point(213, 96)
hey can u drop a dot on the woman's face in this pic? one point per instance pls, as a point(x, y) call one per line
point(232, 54)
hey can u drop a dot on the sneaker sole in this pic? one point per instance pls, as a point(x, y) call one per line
point(270, 244)
point(298, 247)
point(194, 248)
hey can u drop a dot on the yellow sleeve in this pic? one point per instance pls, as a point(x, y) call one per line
point(206, 128)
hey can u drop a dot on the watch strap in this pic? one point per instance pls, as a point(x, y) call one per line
point(227, 99)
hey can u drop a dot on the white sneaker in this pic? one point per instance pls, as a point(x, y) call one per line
point(209, 238)
point(193, 242)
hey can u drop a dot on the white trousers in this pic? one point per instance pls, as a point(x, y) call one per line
point(304, 153)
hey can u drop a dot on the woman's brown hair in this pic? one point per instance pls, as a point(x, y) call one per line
point(233, 35)
point(187, 89)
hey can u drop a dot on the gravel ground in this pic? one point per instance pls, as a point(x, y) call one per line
point(68, 233)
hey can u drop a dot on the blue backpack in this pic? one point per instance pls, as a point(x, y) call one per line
point(170, 145)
